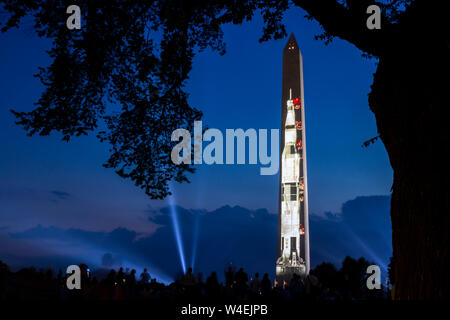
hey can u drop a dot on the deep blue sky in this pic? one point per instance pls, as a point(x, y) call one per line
point(239, 90)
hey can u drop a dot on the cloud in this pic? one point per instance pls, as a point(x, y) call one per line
point(24, 208)
point(362, 228)
point(60, 194)
point(211, 239)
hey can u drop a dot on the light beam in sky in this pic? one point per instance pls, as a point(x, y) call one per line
point(195, 239)
point(176, 231)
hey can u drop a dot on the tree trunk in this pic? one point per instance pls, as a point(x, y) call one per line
point(408, 97)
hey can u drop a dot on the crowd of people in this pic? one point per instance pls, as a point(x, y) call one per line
point(29, 283)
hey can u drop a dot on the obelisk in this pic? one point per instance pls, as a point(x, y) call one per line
point(293, 226)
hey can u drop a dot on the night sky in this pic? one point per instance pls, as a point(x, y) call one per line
point(60, 206)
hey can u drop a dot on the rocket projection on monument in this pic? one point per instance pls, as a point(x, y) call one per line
point(293, 226)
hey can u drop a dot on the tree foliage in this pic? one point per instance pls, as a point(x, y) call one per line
point(125, 71)
point(349, 282)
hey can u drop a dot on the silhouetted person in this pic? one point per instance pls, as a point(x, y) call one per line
point(28, 283)
point(255, 284)
point(131, 278)
point(110, 284)
point(60, 276)
point(229, 276)
point(85, 281)
point(312, 285)
point(130, 284)
point(145, 276)
point(120, 276)
point(266, 286)
point(200, 286)
point(296, 287)
point(200, 278)
point(188, 279)
point(241, 279)
point(188, 282)
point(212, 286)
point(111, 277)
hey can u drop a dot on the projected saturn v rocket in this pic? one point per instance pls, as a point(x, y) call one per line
point(293, 227)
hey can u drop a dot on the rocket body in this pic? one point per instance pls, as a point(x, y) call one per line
point(293, 226)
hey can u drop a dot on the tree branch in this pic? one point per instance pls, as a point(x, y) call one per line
point(347, 22)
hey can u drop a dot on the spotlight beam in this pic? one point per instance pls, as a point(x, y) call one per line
point(195, 241)
point(176, 231)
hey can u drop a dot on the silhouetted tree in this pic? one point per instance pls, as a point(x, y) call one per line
point(138, 53)
point(391, 274)
point(327, 274)
point(408, 100)
point(4, 275)
point(353, 277)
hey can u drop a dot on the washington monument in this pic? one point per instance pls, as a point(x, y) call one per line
point(293, 226)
